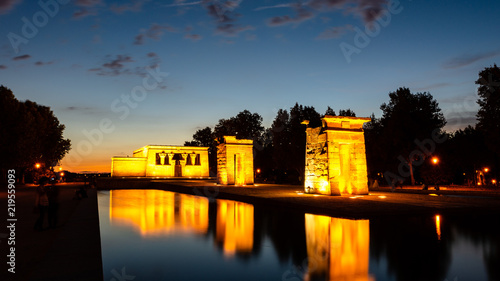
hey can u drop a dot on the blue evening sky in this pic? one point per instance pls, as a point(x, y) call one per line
point(89, 59)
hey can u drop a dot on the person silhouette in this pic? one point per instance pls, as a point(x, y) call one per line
point(41, 203)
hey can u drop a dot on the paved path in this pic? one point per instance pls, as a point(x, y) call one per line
point(71, 251)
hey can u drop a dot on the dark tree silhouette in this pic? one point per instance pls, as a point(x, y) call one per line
point(407, 119)
point(347, 112)
point(30, 134)
point(488, 115)
point(330, 111)
point(245, 125)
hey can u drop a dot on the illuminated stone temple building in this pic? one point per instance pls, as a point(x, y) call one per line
point(235, 161)
point(163, 161)
point(336, 158)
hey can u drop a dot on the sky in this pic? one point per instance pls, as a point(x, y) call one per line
point(123, 74)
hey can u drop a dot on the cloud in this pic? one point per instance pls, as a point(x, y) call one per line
point(113, 66)
point(334, 32)
point(301, 14)
point(155, 32)
point(3, 66)
point(88, 3)
point(80, 14)
point(22, 57)
point(7, 5)
point(232, 30)
point(41, 63)
point(193, 37)
point(368, 10)
point(123, 64)
point(136, 6)
point(467, 59)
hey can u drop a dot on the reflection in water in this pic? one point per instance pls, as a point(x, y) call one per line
point(156, 212)
point(337, 249)
point(280, 244)
point(234, 230)
point(438, 226)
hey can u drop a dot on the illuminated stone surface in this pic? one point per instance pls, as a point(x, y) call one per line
point(337, 249)
point(163, 161)
point(336, 157)
point(235, 161)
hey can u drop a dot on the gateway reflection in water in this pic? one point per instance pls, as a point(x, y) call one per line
point(156, 212)
point(337, 249)
point(234, 228)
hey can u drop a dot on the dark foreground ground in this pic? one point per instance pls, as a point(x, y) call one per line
point(71, 251)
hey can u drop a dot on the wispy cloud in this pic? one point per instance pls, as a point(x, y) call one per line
point(126, 65)
point(432, 86)
point(155, 32)
point(7, 5)
point(193, 37)
point(88, 3)
point(334, 32)
point(302, 15)
point(467, 59)
point(136, 6)
point(3, 66)
point(22, 57)
point(82, 13)
point(41, 63)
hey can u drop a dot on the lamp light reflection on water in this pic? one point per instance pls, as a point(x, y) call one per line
point(438, 226)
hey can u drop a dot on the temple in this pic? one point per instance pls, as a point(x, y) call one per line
point(163, 161)
point(336, 158)
point(235, 161)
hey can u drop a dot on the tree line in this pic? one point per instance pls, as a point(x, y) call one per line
point(399, 144)
point(30, 134)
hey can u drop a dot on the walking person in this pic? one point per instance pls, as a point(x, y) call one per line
point(41, 203)
point(53, 196)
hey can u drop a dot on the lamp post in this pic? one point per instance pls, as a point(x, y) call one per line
point(435, 162)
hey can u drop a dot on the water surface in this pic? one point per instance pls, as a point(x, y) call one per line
point(161, 235)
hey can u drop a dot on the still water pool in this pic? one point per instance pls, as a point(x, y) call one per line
point(160, 235)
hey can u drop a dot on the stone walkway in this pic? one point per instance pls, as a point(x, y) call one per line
point(71, 251)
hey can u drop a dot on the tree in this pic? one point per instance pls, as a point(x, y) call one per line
point(488, 116)
point(329, 111)
point(407, 120)
point(347, 112)
point(245, 125)
point(289, 138)
point(30, 134)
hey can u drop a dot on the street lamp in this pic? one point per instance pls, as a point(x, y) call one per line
point(37, 165)
point(435, 160)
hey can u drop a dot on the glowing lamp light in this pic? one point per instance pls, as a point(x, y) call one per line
point(60, 168)
point(62, 174)
point(486, 170)
point(493, 181)
point(258, 171)
point(435, 160)
point(37, 165)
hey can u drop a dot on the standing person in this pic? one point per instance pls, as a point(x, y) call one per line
point(41, 203)
point(53, 196)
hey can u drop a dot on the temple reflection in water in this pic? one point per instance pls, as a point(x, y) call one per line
point(234, 227)
point(337, 249)
point(156, 212)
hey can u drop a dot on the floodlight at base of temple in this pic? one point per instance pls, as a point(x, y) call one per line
point(336, 158)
